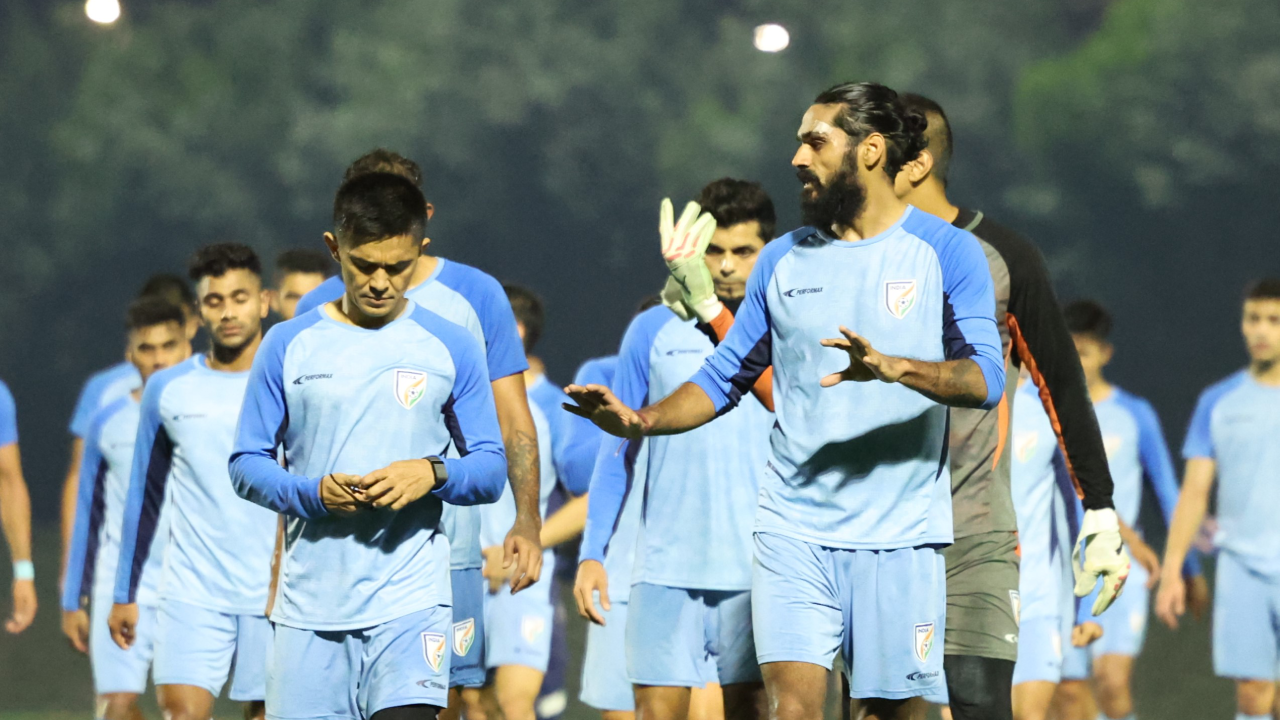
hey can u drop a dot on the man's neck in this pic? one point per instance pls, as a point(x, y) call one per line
point(345, 311)
point(1099, 388)
point(240, 359)
point(536, 370)
point(426, 266)
point(1266, 372)
point(880, 211)
point(931, 197)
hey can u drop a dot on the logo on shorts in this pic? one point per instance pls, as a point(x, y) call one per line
point(531, 626)
point(433, 647)
point(900, 297)
point(924, 641)
point(1015, 601)
point(410, 386)
point(1024, 445)
point(464, 635)
point(918, 676)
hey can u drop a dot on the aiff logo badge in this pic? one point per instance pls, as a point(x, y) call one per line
point(410, 386)
point(924, 641)
point(433, 647)
point(900, 297)
point(464, 634)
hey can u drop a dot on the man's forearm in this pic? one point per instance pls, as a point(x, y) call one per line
point(1187, 517)
point(956, 383)
point(70, 490)
point(523, 473)
point(681, 411)
point(15, 514)
point(566, 523)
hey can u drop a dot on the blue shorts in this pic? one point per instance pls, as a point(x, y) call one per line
point(605, 685)
point(1246, 622)
point(116, 670)
point(355, 673)
point(885, 610)
point(466, 636)
point(518, 627)
point(198, 646)
point(688, 638)
point(1040, 645)
point(1124, 628)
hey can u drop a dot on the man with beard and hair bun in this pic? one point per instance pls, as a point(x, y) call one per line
point(855, 499)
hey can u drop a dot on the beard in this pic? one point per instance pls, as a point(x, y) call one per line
point(836, 204)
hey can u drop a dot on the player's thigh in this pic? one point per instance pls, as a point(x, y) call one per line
point(796, 606)
point(406, 661)
point(253, 647)
point(707, 703)
point(1073, 700)
point(1254, 697)
point(663, 702)
point(894, 604)
point(467, 633)
point(194, 646)
point(1244, 623)
point(744, 701)
point(515, 687)
point(732, 633)
point(518, 628)
point(313, 674)
point(117, 671)
point(667, 640)
point(1111, 673)
point(605, 685)
point(795, 690)
point(1032, 699)
point(982, 596)
point(184, 702)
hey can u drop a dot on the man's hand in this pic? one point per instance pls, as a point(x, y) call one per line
point(673, 297)
point(1171, 601)
point(340, 495)
point(494, 571)
point(75, 625)
point(865, 363)
point(522, 553)
point(124, 624)
point(398, 484)
point(1103, 557)
point(592, 579)
point(599, 405)
point(24, 606)
point(684, 248)
point(1198, 597)
point(1086, 634)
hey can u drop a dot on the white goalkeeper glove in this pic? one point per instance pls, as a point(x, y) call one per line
point(1104, 557)
point(684, 247)
point(673, 297)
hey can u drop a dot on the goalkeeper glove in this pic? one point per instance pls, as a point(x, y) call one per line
point(672, 297)
point(684, 247)
point(1104, 557)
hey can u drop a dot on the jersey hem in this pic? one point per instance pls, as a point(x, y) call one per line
point(255, 610)
point(281, 618)
point(684, 585)
point(939, 540)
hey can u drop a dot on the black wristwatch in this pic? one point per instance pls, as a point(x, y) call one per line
point(441, 471)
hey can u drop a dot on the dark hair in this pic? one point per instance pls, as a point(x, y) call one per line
point(733, 201)
point(382, 160)
point(1088, 317)
point(169, 287)
point(1264, 289)
point(937, 136)
point(527, 307)
point(149, 311)
point(648, 302)
point(303, 260)
point(378, 205)
point(873, 108)
point(217, 259)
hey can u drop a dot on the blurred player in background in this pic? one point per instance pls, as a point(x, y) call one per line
point(157, 339)
point(298, 272)
point(1138, 456)
point(689, 607)
point(982, 565)
point(917, 288)
point(1233, 440)
point(363, 395)
point(471, 298)
point(110, 384)
point(218, 559)
point(15, 517)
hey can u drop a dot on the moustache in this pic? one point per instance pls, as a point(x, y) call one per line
point(808, 176)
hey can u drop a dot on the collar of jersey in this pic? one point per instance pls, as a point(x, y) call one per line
point(202, 364)
point(409, 307)
point(435, 275)
point(871, 240)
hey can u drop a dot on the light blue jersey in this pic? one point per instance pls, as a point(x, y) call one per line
point(862, 465)
point(570, 453)
point(701, 487)
point(100, 503)
point(1236, 424)
point(100, 390)
point(471, 298)
point(8, 417)
point(339, 398)
point(219, 552)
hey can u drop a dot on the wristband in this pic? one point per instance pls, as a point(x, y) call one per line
point(24, 570)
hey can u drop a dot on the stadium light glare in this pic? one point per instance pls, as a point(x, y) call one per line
point(772, 38)
point(103, 12)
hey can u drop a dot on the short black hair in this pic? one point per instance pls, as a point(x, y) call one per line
point(169, 287)
point(382, 160)
point(1264, 289)
point(870, 107)
point(378, 205)
point(732, 202)
point(151, 310)
point(218, 259)
point(1088, 317)
point(937, 135)
point(649, 301)
point(303, 260)
point(527, 307)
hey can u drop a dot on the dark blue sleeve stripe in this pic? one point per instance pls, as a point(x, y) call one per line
point(153, 497)
point(455, 427)
point(757, 359)
point(953, 339)
point(96, 513)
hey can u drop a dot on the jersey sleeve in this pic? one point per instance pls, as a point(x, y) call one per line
point(478, 475)
point(86, 406)
point(8, 417)
point(969, 327)
point(152, 460)
point(614, 472)
point(1157, 469)
point(327, 291)
point(763, 387)
point(1043, 344)
point(583, 438)
point(1199, 442)
point(254, 467)
point(503, 349)
point(77, 582)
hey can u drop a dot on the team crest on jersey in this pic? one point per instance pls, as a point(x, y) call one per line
point(433, 647)
point(900, 297)
point(410, 386)
point(1024, 445)
point(923, 641)
point(464, 635)
point(1015, 601)
point(531, 626)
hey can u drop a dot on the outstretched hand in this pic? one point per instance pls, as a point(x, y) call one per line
point(865, 362)
point(599, 405)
